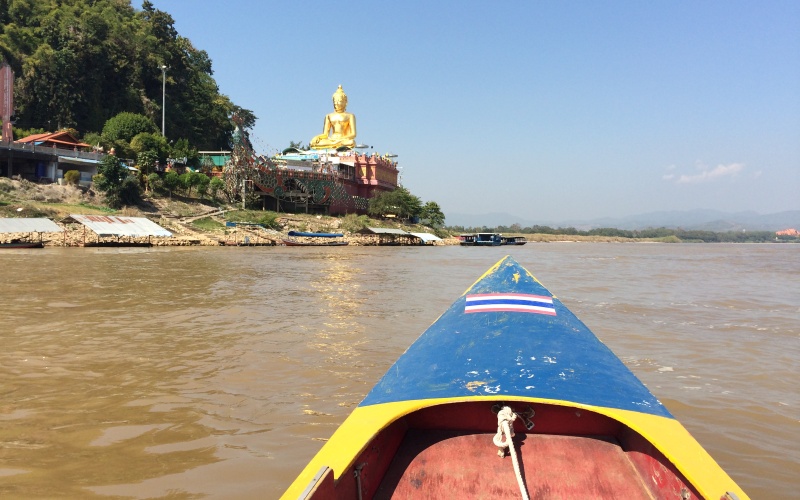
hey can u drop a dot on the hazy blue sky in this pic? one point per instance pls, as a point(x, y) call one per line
point(547, 110)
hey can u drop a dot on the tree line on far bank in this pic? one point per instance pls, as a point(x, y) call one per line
point(661, 233)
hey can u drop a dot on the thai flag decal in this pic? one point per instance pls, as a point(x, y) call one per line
point(513, 302)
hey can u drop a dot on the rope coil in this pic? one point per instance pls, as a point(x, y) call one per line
point(503, 441)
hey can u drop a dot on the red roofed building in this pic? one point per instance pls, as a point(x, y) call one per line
point(60, 140)
point(788, 232)
point(46, 157)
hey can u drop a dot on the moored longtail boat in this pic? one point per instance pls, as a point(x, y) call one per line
point(315, 235)
point(295, 243)
point(508, 357)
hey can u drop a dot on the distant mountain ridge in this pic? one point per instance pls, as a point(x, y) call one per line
point(700, 219)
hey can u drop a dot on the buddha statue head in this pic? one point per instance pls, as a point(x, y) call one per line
point(339, 100)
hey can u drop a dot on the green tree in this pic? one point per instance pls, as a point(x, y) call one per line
point(79, 63)
point(111, 175)
point(147, 161)
point(410, 205)
point(125, 126)
point(399, 202)
point(382, 204)
point(433, 213)
point(203, 184)
point(171, 182)
point(154, 181)
point(185, 182)
point(215, 186)
point(195, 179)
point(184, 152)
point(153, 142)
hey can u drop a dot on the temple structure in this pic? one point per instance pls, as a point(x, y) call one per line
point(332, 177)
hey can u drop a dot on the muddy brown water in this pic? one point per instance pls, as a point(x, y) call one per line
point(219, 372)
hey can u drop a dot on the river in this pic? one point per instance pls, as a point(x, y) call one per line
point(219, 372)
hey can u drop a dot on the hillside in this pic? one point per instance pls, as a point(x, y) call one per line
point(77, 64)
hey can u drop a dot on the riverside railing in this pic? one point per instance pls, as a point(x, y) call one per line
point(33, 148)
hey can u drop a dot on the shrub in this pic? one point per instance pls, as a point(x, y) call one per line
point(72, 177)
point(353, 223)
point(130, 192)
point(208, 224)
point(154, 181)
point(270, 220)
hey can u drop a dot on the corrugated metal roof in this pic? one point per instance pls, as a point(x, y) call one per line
point(77, 161)
point(38, 225)
point(426, 237)
point(385, 230)
point(112, 225)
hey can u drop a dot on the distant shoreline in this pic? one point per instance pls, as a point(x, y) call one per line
point(184, 218)
point(76, 237)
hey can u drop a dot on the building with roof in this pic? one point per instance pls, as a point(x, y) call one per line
point(214, 160)
point(326, 181)
point(60, 140)
point(46, 157)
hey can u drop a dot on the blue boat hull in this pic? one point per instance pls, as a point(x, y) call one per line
point(586, 426)
point(315, 235)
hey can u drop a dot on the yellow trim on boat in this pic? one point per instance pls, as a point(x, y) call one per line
point(666, 434)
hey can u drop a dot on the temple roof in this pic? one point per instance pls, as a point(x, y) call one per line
point(62, 139)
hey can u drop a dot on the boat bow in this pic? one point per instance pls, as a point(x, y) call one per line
point(509, 341)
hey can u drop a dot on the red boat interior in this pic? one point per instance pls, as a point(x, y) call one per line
point(447, 452)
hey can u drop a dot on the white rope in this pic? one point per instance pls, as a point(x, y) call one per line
point(502, 440)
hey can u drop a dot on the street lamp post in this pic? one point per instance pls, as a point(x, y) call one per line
point(163, 97)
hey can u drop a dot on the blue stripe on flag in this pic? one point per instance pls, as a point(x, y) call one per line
point(513, 302)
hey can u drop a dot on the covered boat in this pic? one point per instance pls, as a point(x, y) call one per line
point(509, 370)
point(513, 240)
point(480, 239)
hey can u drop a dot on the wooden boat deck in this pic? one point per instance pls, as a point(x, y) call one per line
point(447, 452)
point(440, 463)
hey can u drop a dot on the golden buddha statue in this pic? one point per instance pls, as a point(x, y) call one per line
point(340, 127)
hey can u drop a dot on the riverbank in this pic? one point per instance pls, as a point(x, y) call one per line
point(201, 222)
point(193, 222)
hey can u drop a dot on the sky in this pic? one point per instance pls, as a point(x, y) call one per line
point(546, 110)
